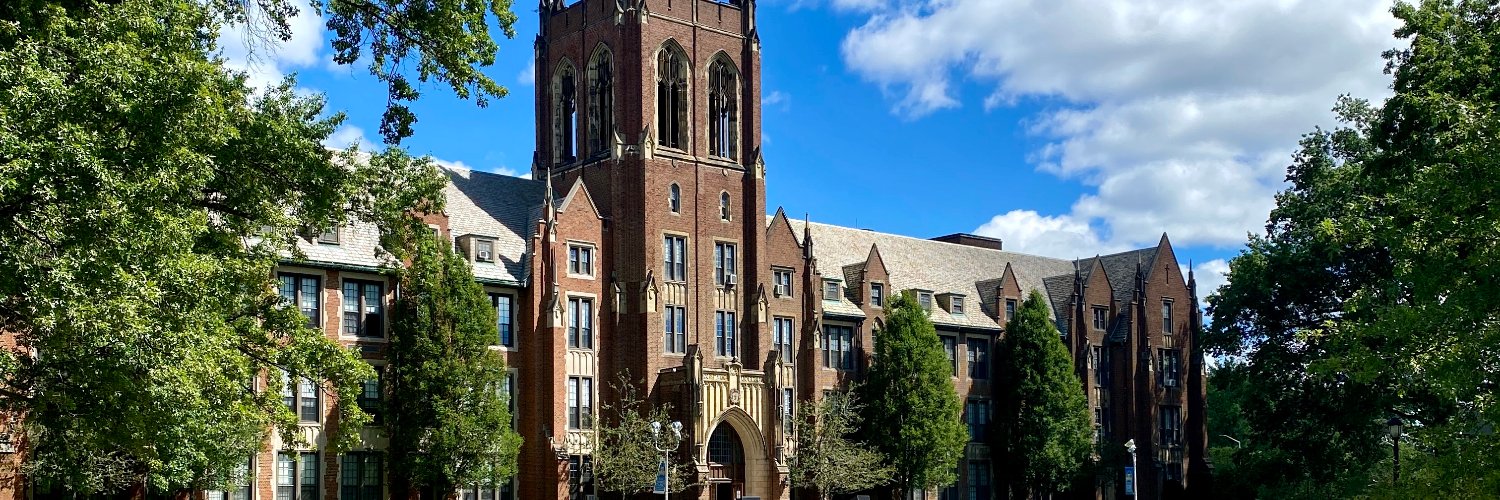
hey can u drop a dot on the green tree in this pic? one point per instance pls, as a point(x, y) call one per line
point(625, 456)
point(449, 421)
point(1043, 427)
point(146, 195)
point(914, 412)
point(1373, 292)
point(828, 458)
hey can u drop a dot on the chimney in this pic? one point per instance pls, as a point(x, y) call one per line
point(972, 240)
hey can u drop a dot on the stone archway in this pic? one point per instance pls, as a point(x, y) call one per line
point(736, 454)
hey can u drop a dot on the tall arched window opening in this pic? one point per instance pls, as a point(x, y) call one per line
point(601, 103)
point(671, 96)
point(674, 198)
point(724, 206)
point(565, 114)
point(722, 109)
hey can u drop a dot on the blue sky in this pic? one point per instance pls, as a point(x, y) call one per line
point(1065, 127)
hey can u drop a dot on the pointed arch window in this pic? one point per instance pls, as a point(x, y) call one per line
point(601, 102)
point(724, 206)
point(671, 96)
point(565, 114)
point(723, 109)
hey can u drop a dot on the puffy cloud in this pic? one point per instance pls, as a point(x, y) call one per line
point(1176, 115)
point(527, 76)
point(502, 170)
point(347, 135)
point(1210, 275)
point(267, 59)
point(1060, 236)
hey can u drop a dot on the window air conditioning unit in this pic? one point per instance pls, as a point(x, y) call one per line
point(729, 280)
point(1171, 382)
point(484, 256)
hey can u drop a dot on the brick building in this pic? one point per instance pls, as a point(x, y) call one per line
point(646, 249)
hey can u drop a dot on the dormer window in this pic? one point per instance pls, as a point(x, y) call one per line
point(329, 236)
point(877, 295)
point(924, 299)
point(831, 290)
point(956, 306)
point(484, 251)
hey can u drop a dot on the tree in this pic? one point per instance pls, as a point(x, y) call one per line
point(1373, 292)
point(449, 421)
point(625, 456)
point(146, 195)
point(828, 458)
point(913, 409)
point(1043, 427)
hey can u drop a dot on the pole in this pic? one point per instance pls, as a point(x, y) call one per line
point(1396, 454)
point(666, 492)
point(1134, 475)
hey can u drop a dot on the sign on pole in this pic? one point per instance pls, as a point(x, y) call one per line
point(661, 478)
point(1129, 480)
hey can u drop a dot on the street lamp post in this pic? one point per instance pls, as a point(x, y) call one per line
point(1394, 427)
point(1135, 486)
point(666, 457)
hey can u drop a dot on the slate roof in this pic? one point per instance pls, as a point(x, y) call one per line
point(1120, 268)
point(498, 206)
point(934, 265)
point(1059, 290)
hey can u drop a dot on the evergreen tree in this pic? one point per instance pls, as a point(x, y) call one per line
point(914, 411)
point(449, 421)
point(828, 458)
point(1043, 429)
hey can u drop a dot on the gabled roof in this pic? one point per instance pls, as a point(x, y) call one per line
point(1059, 290)
point(499, 206)
point(1120, 269)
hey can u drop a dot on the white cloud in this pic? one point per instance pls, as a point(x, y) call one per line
point(502, 170)
point(775, 97)
point(527, 76)
point(347, 135)
point(1177, 115)
point(267, 59)
point(1210, 275)
point(1060, 236)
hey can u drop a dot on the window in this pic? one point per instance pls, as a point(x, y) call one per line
point(301, 397)
point(565, 109)
point(674, 198)
point(674, 251)
point(360, 476)
point(580, 323)
point(488, 491)
point(302, 291)
point(950, 346)
point(328, 236)
point(1101, 318)
point(950, 492)
point(296, 476)
point(724, 263)
point(504, 322)
point(362, 308)
point(877, 295)
point(788, 410)
point(1100, 360)
point(782, 280)
point(580, 403)
point(783, 331)
point(979, 358)
point(724, 206)
point(1170, 428)
point(978, 413)
point(979, 479)
point(925, 300)
point(724, 334)
point(956, 305)
point(831, 290)
point(671, 96)
point(601, 102)
point(484, 250)
point(1169, 371)
point(508, 388)
point(241, 478)
point(838, 347)
point(675, 319)
point(581, 260)
point(1166, 317)
point(369, 395)
point(723, 105)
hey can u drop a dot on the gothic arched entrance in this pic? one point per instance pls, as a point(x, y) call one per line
point(726, 464)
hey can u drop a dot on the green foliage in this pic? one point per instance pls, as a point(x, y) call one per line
point(625, 458)
point(828, 458)
point(449, 420)
point(1043, 427)
point(914, 412)
point(1374, 292)
point(146, 195)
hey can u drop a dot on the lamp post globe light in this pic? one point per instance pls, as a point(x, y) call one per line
point(1394, 426)
point(1130, 447)
point(666, 456)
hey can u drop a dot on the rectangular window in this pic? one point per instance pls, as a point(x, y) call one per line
point(838, 347)
point(241, 479)
point(1166, 317)
point(1170, 428)
point(484, 250)
point(979, 479)
point(956, 305)
point(674, 320)
point(1169, 371)
point(788, 410)
point(1101, 318)
point(831, 291)
point(360, 476)
point(978, 412)
point(924, 299)
point(296, 476)
point(725, 342)
point(877, 295)
point(362, 308)
point(1010, 309)
point(580, 323)
point(302, 291)
point(329, 236)
point(369, 395)
point(783, 282)
point(724, 263)
point(504, 322)
point(580, 403)
point(1100, 359)
point(508, 388)
point(674, 258)
point(309, 394)
point(979, 358)
point(581, 260)
point(950, 346)
point(783, 330)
